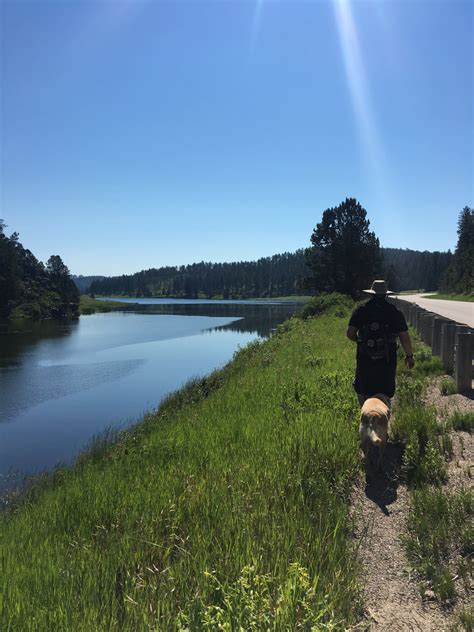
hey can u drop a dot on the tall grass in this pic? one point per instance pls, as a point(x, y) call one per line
point(439, 535)
point(227, 507)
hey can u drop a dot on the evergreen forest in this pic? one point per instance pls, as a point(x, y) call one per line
point(459, 276)
point(280, 275)
point(30, 289)
point(344, 256)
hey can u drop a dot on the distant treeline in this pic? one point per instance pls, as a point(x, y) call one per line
point(269, 276)
point(414, 270)
point(83, 283)
point(28, 288)
point(280, 275)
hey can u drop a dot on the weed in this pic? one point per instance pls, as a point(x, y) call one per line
point(439, 527)
point(466, 619)
point(462, 421)
point(447, 386)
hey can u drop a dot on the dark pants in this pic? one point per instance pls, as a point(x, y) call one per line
point(375, 378)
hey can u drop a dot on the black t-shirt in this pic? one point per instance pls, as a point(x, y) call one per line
point(382, 311)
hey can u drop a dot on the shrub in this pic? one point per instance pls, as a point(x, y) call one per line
point(447, 386)
point(334, 303)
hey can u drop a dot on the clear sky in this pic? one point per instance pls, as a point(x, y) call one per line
point(137, 134)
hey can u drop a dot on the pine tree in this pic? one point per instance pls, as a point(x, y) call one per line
point(459, 277)
point(345, 255)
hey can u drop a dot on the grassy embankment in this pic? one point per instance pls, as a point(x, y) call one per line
point(88, 305)
point(227, 506)
point(451, 297)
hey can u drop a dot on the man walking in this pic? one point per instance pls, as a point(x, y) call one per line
point(375, 326)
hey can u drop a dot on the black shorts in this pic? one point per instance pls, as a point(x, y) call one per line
point(378, 378)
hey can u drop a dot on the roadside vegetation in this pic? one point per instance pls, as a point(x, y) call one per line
point(439, 536)
point(452, 297)
point(447, 386)
point(225, 509)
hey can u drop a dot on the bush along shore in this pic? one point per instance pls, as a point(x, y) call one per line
point(89, 305)
point(228, 506)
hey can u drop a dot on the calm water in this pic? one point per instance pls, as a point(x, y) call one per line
point(63, 382)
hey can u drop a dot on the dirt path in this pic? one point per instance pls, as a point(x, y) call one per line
point(393, 598)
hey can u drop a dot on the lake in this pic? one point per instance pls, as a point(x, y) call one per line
point(62, 382)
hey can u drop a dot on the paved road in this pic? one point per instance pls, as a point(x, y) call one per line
point(460, 311)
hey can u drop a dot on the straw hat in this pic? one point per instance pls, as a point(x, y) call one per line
point(379, 288)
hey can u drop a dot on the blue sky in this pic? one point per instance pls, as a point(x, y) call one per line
point(137, 134)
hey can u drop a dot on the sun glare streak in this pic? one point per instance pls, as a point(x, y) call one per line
point(257, 16)
point(357, 81)
point(102, 20)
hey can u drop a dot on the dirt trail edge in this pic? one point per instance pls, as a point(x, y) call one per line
point(392, 597)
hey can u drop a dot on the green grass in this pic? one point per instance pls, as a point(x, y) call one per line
point(334, 303)
point(90, 305)
point(462, 421)
point(451, 297)
point(447, 386)
point(427, 444)
point(440, 534)
point(440, 537)
point(466, 620)
point(226, 509)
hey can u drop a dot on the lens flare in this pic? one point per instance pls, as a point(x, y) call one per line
point(257, 16)
point(358, 85)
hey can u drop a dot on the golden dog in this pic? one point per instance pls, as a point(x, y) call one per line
point(373, 430)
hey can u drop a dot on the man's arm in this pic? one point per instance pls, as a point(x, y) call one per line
point(352, 333)
point(406, 344)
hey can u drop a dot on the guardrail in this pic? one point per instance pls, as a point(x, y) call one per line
point(451, 341)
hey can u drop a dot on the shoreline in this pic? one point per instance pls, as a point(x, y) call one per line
point(209, 461)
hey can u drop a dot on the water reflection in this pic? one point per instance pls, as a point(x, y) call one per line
point(17, 338)
point(62, 382)
point(250, 316)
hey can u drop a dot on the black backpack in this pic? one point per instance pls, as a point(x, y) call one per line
point(375, 338)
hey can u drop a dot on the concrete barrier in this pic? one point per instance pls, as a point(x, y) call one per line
point(427, 320)
point(419, 314)
point(463, 361)
point(452, 342)
point(438, 323)
point(448, 334)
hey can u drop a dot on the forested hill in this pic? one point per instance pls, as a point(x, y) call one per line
point(412, 269)
point(83, 283)
point(280, 275)
point(28, 288)
point(269, 276)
